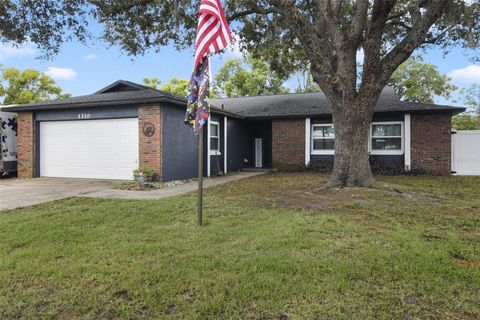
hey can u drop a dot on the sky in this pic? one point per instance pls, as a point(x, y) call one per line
point(83, 69)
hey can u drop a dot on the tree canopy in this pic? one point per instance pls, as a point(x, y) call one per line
point(471, 97)
point(26, 86)
point(470, 119)
point(417, 81)
point(177, 86)
point(250, 77)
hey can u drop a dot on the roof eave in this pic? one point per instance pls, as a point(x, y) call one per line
point(20, 108)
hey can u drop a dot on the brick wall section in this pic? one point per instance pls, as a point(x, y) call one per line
point(150, 148)
point(431, 143)
point(288, 143)
point(26, 145)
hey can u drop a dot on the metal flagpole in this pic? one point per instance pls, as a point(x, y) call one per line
point(200, 158)
point(200, 177)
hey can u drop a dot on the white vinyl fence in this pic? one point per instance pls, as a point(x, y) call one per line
point(466, 152)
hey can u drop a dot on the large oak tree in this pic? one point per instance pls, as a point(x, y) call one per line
point(322, 35)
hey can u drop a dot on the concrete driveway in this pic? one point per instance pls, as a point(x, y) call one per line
point(16, 193)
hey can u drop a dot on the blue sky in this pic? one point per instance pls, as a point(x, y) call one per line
point(81, 69)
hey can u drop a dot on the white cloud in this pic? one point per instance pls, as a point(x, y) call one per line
point(467, 75)
point(61, 73)
point(90, 56)
point(11, 51)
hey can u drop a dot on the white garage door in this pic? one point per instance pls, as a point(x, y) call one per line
point(466, 152)
point(102, 149)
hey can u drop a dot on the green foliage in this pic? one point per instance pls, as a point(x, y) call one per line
point(469, 120)
point(471, 97)
point(234, 80)
point(27, 86)
point(145, 170)
point(466, 121)
point(153, 83)
point(417, 81)
point(177, 86)
point(306, 84)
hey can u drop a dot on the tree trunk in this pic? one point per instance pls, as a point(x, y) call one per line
point(352, 125)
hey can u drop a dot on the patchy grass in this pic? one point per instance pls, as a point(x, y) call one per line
point(276, 246)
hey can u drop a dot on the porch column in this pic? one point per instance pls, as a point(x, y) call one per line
point(307, 141)
point(225, 162)
point(208, 146)
point(408, 143)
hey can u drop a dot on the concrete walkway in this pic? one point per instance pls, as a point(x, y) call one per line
point(169, 191)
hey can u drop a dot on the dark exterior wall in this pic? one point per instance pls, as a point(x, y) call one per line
point(261, 129)
point(288, 143)
point(239, 145)
point(26, 145)
point(377, 117)
point(431, 143)
point(217, 161)
point(180, 145)
point(150, 148)
point(127, 111)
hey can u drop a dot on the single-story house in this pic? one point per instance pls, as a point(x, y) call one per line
point(125, 125)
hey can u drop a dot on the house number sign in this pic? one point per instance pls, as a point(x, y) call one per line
point(148, 129)
point(83, 116)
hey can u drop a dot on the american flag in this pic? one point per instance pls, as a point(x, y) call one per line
point(213, 35)
point(213, 32)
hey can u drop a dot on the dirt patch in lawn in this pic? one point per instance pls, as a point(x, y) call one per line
point(466, 262)
point(304, 191)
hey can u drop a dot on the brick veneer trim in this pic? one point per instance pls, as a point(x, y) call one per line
point(26, 145)
point(431, 149)
point(150, 148)
point(288, 143)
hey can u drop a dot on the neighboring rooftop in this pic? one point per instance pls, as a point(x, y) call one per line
point(124, 92)
point(120, 92)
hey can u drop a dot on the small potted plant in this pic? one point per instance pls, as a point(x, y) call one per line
point(144, 172)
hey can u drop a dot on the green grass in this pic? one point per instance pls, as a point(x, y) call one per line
point(273, 247)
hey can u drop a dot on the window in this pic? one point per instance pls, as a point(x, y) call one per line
point(214, 137)
point(387, 138)
point(323, 139)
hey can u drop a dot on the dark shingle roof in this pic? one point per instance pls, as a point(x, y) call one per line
point(145, 95)
point(314, 104)
point(124, 92)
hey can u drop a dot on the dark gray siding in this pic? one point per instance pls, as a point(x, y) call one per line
point(378, 117)
point(216, 161)
point(321, 157)
point(239, 144)
point(263, 130)
point(93, 113)
point(397, 159)
point(179, 146)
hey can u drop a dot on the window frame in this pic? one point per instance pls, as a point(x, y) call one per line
point(321, 151)
point(214, 152)
point(387, 152)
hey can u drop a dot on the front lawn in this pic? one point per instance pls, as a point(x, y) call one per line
point(276, 246)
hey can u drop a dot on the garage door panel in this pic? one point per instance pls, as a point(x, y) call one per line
point(104, 149)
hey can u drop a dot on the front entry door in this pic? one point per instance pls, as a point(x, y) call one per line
point(258, 153)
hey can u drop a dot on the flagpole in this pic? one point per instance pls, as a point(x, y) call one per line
point(200, 177)
point(200, 157)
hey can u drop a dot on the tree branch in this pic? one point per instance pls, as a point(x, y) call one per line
point(256, 10)
point(118, 8)
point(414, 37)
